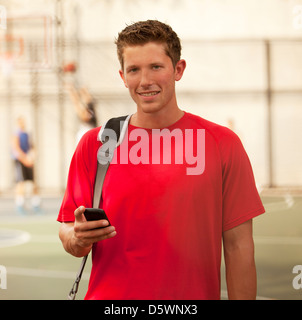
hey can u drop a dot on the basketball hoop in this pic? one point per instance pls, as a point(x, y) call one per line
point(11, 50)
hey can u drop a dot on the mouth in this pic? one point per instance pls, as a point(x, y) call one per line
point(148, 94)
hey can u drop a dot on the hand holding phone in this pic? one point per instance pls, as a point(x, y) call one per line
point(79, 236)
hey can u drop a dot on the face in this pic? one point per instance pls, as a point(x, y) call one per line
point(150, 77)
point(21, 123)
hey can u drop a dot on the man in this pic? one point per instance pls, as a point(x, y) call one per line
point(23, 150)
point(167, 223)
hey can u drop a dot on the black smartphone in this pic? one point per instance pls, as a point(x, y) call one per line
point(92, 214)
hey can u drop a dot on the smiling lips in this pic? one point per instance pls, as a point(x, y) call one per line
point(148, 94)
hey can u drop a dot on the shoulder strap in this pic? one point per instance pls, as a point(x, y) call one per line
point(118, 125)
point(111, 135)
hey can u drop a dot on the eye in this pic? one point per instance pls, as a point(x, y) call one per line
point(156, 67)
point(132, 70)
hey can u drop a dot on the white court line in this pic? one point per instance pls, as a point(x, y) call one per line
point(13, 237)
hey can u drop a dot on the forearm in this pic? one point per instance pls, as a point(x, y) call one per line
point(67, 236)
point(239, 259)
point(241, 275)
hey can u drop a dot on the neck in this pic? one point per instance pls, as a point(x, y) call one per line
point(156, 120)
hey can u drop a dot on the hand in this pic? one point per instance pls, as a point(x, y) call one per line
point(88, 232)
point(28, 162)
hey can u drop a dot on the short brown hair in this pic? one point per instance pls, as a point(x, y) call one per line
point(143, 32)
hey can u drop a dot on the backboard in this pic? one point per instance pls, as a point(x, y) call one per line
point(27, 43)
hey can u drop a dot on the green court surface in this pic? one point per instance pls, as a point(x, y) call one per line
point(37, 266)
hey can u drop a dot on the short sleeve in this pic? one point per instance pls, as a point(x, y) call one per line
point(241, 200)
point(81, 177)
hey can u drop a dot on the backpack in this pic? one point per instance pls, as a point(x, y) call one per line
point(111, 135)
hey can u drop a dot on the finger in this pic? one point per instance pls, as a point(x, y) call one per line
point(78, 213)
point(97, 224)
point(103, 234)
point(109, 235)
point(100, 234)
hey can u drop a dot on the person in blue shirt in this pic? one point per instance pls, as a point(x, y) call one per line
point(23, 154)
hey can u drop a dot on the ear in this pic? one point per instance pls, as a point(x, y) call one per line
point(123, 77)
point(179, 69)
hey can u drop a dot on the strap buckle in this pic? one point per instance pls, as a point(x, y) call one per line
point(73, 292)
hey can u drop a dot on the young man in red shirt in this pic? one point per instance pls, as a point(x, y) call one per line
point(168, 214)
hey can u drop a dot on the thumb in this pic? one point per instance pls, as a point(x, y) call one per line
point(78, 214)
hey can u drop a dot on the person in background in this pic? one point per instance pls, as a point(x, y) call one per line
point(84, 106)
point(23, 154)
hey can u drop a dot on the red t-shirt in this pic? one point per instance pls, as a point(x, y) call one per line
point(169, 223)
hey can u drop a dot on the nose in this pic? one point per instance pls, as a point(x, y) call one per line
point(146, 79)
